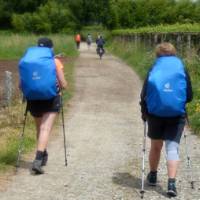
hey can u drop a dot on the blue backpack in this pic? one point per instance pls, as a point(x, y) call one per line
point(37, 71)
point(166, 87)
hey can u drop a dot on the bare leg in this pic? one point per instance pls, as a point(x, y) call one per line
point(154, 155)
point(172, 166)
point(38, 123)
point(44, 125)
point(45, 129)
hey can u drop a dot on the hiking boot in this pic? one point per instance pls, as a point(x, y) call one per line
point(152, 178)
point(45, 158)
point(171, 192)
point(37, 167)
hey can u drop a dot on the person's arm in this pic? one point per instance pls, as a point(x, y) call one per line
point(189, 87)
point(60, 74)
point(143, 105)
point(61, 79)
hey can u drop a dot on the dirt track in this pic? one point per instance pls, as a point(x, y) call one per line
point(104, 141)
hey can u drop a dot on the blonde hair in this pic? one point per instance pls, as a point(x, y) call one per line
point(165, 49)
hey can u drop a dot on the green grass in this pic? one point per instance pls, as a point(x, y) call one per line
point(8, 156)
point(13, 46)
point(141, 59)
point(11, 118)
point(193, 64)
point(69, 74)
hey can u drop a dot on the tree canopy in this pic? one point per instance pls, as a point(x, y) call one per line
point(68, 15)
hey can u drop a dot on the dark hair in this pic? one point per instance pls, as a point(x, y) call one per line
point(45, 42)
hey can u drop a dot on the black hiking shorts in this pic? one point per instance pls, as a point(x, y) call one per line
point(165, 128)
point(38, 107)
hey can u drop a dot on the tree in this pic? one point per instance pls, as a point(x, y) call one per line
point(89, 12)
point(126, 13)
point(154, 12)
point(113, 16)
point(59, 15)
point(185, 11)
point(50, 18)
point(9, 7)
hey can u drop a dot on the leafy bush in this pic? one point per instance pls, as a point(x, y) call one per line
point(49, 18)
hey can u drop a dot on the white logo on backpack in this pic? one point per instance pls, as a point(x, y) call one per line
point(167, 88)
point(35, 76)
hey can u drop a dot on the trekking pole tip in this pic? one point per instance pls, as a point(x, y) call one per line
point(192, 184)
point(142, 193)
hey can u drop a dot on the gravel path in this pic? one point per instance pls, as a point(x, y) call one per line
point(104, 141)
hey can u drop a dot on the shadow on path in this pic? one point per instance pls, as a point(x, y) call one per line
point(128, 180)
point(25, 164)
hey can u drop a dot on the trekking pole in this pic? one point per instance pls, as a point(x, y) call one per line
point(63, 124)
point(142, 191)
point(189, 165)
point(21, 139)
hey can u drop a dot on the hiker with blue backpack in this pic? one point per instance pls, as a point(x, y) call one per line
point(41, 81)
point(166, 90)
